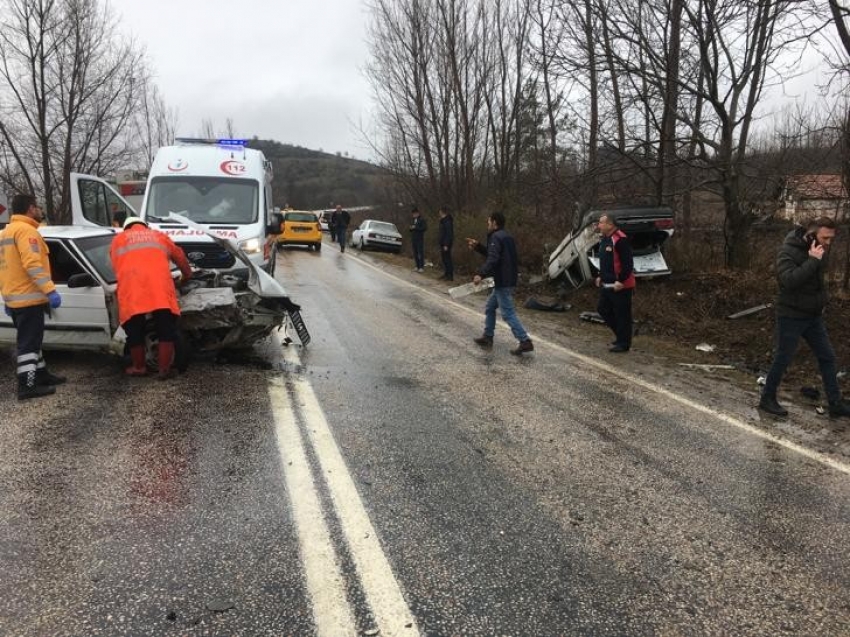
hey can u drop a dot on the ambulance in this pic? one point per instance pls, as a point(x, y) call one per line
point(221, 185)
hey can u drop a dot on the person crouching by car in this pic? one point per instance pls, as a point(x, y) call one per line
point(28, 294)
point(616, 283)
point(141, 258)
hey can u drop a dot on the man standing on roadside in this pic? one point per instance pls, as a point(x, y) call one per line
point(446, 239)
point(417, 238)
point(503, 265)
point(342, 221)
point(616, 283)
point(141, 258)
point(800, 268)
point(332, 225)
point(28, 294)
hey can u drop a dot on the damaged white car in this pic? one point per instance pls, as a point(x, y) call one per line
point(576, 259)
point(220, 310)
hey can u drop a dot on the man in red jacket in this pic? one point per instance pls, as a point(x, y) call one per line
point(616, 283)
point(141, 258)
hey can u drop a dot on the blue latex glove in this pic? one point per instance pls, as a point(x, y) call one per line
point(54, 299)
point(7, 310)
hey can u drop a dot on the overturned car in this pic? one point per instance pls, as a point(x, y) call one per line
point(220, 310)
point(576, 259)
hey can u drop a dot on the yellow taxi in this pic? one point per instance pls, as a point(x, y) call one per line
point(300, 227)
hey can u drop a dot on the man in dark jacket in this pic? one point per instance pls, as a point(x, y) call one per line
point(800, 268)
point(502, 265)
point(446, 238)
point(342, 221)
point(616, 283)
point(417, 239)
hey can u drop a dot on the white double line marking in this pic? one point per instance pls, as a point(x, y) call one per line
point(326, 583)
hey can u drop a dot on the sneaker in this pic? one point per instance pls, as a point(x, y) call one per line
point(618, 349)
point(484, 341)
point(839, 410)
point(771, 406)
point(523, 347)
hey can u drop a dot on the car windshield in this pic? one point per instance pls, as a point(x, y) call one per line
point(300, 216)
point(96, 251)
point(382, 226)
point(204, 199)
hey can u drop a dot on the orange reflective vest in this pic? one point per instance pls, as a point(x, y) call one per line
point(24, 264)
point(141, 258)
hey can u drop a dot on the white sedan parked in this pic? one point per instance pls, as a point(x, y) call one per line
point(380, 235)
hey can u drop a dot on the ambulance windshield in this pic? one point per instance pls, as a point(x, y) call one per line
point(204, 199)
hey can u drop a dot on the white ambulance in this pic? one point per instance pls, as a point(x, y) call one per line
point(220, 185)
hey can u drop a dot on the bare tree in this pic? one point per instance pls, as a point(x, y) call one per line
point(69, 94)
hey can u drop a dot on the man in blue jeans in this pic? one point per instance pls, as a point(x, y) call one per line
point(502, 265)
point(800, 268)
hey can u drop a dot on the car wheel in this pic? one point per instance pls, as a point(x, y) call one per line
point(318, 247)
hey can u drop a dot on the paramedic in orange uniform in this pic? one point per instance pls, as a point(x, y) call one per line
point(141, 258)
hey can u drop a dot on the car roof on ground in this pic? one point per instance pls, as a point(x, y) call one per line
point(74, 232)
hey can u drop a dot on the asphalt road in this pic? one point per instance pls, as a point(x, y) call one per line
point(393, 477)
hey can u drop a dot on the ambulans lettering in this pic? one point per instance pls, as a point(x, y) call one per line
point(189, 232)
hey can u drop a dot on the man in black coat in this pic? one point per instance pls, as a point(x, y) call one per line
point(446, 238)
point(417, 238)
point(800, 268)
point(342, 221)
point(503, 265)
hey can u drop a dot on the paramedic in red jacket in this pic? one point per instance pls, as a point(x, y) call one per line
point(141, 258)
point(616, 282)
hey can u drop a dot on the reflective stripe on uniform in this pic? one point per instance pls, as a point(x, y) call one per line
point(14, 298)
point(29, 356)
point(139, 246)
point(29, 367)
point(43, 280)
point(7, 242)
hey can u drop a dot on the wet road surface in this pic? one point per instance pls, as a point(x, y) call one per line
point(394, 477)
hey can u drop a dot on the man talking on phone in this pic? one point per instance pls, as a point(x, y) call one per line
point(800, 268)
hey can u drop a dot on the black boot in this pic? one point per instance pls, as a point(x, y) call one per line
point(27, 387)
point(771, 406)
point(44, 377)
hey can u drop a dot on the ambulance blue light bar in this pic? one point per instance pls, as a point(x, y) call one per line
point(224, 143)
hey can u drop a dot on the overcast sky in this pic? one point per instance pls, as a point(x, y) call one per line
point(288, 70)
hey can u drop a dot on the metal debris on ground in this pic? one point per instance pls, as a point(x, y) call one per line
point(707, 368)
point(551, 306)
point(536, 279)
point(592, 317)
point(761, 381)
point(752, 310)
point(820, 411)
point(705, 347)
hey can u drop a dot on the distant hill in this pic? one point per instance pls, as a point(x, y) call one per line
point(311, 179)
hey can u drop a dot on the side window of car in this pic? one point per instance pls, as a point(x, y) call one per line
point(62, 264)
point(93, 200)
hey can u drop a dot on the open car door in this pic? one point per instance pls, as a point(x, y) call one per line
point(96, 203)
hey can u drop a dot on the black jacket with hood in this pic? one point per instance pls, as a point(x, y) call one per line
point(802, 288)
